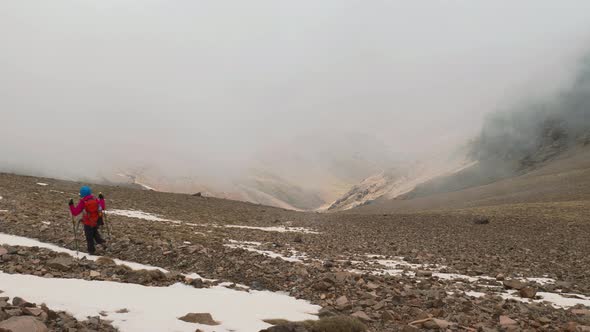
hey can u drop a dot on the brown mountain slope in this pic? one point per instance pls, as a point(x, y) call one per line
point(566, 178)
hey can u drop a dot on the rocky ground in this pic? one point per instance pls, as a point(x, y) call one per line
point(19, 315)
point(49, 264)
point(460, 271)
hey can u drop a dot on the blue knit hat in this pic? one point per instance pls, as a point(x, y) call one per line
point(85, 191)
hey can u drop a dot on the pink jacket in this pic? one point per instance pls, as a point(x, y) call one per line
point(76, 210)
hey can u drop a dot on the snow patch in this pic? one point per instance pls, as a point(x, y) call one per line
point(399, 261)
point(294, 257)
point(279, 229)
point(475, 294)
point(397, 266)
point(133, 179)
point(42, 184)
point(2, 211)
point(145, 186)
point(454, 276)
point(158, 308)
point(541, 281)
point(250, 243)
point(46, 223)
point(563, 301)
point(141, 215)
point(202, 225)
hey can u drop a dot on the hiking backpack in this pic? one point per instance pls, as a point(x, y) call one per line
point(92, 213)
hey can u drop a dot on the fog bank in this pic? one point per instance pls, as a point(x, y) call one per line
point(211, 90)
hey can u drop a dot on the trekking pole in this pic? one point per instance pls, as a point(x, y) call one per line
point(107, 224)
point(75, 235)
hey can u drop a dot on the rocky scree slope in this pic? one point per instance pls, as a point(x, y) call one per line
point(342, 264)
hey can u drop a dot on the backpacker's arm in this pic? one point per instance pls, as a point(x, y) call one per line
point(76, 210)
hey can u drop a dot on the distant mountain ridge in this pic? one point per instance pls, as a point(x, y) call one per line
point(304, 180)
point(396, 182)
point(511, 143)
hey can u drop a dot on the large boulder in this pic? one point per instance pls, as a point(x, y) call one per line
point(61, 263)
point(23, 324)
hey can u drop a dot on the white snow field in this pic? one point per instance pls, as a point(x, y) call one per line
point(152, 308)
point(158, 308)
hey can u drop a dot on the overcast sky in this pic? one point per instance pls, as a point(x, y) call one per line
point(208, 86)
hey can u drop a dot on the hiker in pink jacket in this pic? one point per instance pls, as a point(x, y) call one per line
point(92, 217)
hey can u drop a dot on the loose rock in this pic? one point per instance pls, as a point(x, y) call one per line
point(514, 284)
point(199, 318)
point(528, 292)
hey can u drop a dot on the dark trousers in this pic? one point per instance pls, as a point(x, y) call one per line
point(92, 235)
